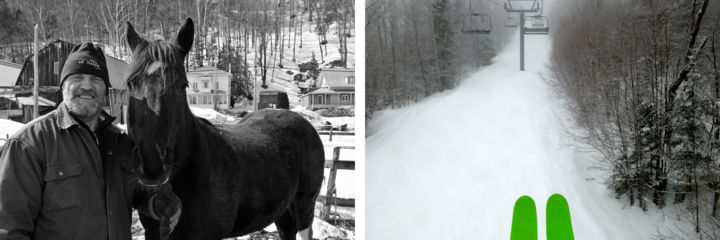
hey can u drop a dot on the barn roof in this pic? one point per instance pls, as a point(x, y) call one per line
point(11, 64)
point(9, 71)
point(30, 101)
point(322, 91)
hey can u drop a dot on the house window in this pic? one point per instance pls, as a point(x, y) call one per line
point(217, 84)
point(345, 98)
point(193, 99)
point(206, 84)
point(56, 68)
point(351, 80)
point(194, 86)
point(319, 99)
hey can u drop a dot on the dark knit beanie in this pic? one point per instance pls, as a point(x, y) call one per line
point(86, 58)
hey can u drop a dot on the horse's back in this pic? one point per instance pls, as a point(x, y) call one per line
point(286, 131)
point(283, 124)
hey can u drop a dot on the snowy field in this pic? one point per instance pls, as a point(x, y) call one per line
point(452, 166)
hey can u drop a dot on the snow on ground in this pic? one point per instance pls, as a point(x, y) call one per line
point(339, 121)
point(316, 120)
point(452, 166)
point(211, 115)
point(345, 180)
point(7, 129)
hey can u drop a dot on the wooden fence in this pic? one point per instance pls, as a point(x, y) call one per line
point(330, 198)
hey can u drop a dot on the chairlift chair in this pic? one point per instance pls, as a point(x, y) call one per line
point(477, 23)
point(522, 5)
point(537, 25)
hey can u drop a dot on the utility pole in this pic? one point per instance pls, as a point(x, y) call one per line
point(522, 41)
point(36, 76)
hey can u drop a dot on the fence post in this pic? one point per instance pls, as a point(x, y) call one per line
point(331, 182)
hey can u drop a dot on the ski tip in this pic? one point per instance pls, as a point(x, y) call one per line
point(524, 220)
point(557, 198)
point(558, 220)
point(525, 198)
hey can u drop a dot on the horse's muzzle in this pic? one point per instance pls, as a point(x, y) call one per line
point(151, 171)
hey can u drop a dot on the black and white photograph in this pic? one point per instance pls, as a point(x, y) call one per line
point(177, 119)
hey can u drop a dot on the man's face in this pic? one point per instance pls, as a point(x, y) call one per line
point(84, 94)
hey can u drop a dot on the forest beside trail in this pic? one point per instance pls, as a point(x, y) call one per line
point(246, 38)
point(642, 80)
point(415, 48)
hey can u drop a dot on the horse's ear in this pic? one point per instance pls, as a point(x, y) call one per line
point(133, 39)
point(185, 36)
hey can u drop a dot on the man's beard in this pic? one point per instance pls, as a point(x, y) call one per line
point(84, 108)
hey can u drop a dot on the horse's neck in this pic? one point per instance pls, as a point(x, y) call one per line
point(205, 152)
point(198, 140)
point(188, 143)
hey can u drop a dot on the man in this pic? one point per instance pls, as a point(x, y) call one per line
point(66, 175)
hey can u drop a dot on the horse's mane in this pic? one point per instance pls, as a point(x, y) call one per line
point(168, 73)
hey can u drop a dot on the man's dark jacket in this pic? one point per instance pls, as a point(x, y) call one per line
point(59, 180)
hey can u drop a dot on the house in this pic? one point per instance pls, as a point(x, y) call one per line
point(51, 60)
point(336, 89)
point(209, 87)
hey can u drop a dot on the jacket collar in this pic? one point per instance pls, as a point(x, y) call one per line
point(65, 120)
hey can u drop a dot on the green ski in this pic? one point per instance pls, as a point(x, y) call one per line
point(524, 220)
point(558, 224)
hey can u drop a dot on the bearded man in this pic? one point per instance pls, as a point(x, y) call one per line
point(67, 174)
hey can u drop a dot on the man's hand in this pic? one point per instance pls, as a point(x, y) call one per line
point(168, 209)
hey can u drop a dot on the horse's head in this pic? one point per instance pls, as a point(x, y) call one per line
point(158, 105)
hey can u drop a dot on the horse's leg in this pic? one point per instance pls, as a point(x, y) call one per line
point(304, 208)
point(286, 225)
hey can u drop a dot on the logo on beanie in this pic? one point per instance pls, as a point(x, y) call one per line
point(89, 62)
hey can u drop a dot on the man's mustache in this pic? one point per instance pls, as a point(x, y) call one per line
point(86, 92)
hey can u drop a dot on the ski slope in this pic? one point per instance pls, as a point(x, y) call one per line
point(452, 166)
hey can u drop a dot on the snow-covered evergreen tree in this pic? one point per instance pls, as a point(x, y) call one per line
point(689, 140)
point(444, 42)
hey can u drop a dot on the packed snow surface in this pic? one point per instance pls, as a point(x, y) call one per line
point(452, 166)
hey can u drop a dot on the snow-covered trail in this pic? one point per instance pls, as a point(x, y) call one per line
point(452, 166)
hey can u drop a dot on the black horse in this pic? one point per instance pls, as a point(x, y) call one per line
point(231, 180)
